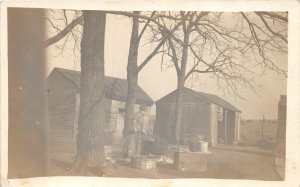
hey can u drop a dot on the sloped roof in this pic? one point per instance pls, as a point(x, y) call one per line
point(194, 96)
point(116, 88)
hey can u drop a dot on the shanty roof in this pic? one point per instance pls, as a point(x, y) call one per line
point(116, 88)
point(194, 96)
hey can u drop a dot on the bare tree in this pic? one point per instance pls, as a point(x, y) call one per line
point(197, 43)
point(133, 67)
point(229, 46)
point(87, 92)
point(91, 113)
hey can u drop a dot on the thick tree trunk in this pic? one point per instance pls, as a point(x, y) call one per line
point(132, 75)
point(180, 87)
point(91, 113)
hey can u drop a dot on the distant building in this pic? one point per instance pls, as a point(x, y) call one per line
point(203, 114)
point(281, 128)
point(64, 100)
point(279, 159)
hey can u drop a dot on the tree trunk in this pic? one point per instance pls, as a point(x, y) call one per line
point(180, 87)
point(91, 113)
point(178, 109)
point(132, 76)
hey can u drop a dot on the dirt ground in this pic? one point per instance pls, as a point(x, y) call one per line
point(224, 163)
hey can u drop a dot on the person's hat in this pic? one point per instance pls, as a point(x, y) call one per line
point(143, 108)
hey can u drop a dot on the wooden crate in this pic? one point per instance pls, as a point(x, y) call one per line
point(144, 162)
point(191, 161)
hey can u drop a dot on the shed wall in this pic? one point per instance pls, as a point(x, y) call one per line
point(62, 97)
point(164, 121)
point(195, 120)
point(112, 110)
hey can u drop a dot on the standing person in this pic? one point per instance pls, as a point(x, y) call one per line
point(118, 133)
point(133, 142)
point(138, 123)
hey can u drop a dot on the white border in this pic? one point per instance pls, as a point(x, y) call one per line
point(3, 97)
point(293, 104)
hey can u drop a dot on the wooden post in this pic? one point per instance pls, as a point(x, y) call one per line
point(225, 126)
point(213, 123)
point(262, 128)
point(237, 126)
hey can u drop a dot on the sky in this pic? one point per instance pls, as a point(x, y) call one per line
point(159, 82)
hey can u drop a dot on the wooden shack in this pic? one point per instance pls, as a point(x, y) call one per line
point(64, 101)
point(206, 115)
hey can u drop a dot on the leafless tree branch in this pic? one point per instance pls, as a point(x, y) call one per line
point(63, 32)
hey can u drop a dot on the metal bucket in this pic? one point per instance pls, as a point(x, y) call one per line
point(203, 146)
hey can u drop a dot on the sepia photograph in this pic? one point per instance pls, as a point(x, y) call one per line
point(160, 94)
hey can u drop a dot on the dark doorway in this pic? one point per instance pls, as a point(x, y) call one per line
point(230, 127)
point(226, 126)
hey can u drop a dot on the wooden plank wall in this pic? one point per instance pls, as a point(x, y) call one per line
point(164, 121)
point(62, 96)
point(195, 120)
point(63, 117)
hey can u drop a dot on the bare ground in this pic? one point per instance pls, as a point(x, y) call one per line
point(232, 162)
point(224, 163)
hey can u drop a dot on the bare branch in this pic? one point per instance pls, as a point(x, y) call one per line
point(174, 56)
point(154, 52)
point(65, 16)
point(273, 15)
point(64, 32)
point(265, 61)
point(268, 27)
point(145, 26)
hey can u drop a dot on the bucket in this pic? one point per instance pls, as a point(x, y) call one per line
point(203, 146)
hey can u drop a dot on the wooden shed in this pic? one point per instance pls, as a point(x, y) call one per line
point(210, 116)
point(64, 100)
